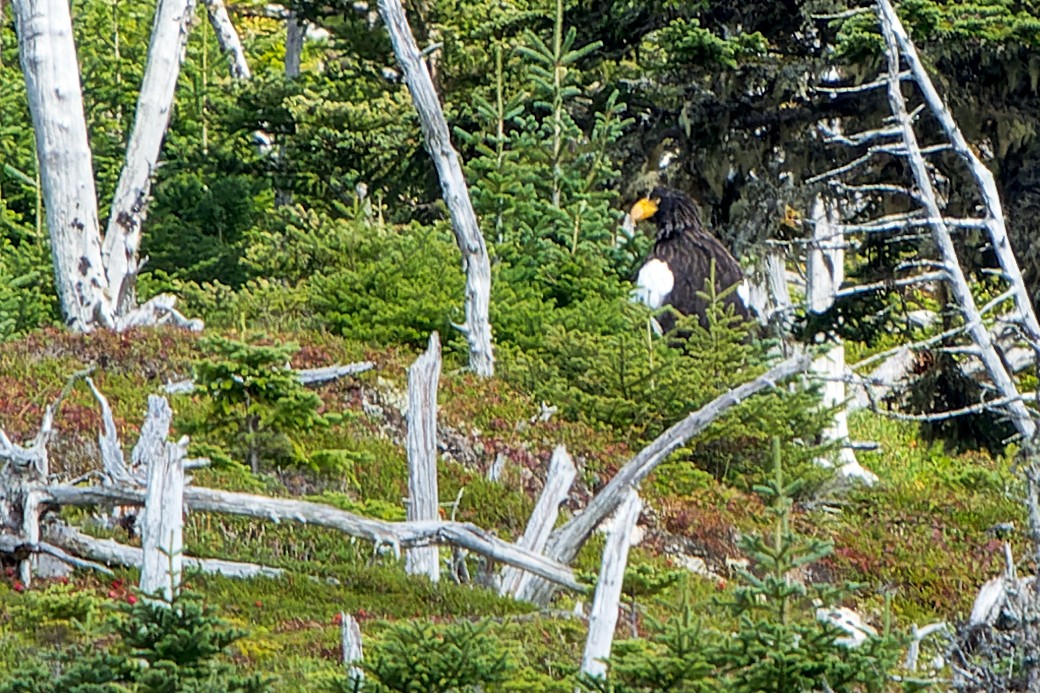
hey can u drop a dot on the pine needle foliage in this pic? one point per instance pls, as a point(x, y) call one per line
point(421, 656)
point(256, 402)
point(779, 643)
point(160, 646)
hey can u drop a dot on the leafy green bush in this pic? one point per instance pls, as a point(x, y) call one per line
point(393, 286)
point(198, 225)
point(27, 296)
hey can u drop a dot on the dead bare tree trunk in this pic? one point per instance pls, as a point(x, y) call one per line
point(825, 272)
point(453, 187)
point(423, 499)
point(94, 276)
point(350, 641)
point(48, 57)
point(122, 246)
point(607, 600)
point(295, 28)
point(227, 39)
point(1002, 380)
point(1025, 317)
point(162, 523)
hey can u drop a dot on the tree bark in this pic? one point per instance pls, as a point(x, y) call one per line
point(604, 615)
point(48, 57)
point(122, 245)
point(453, 187)
point(227, 39)
point(557, 485)
point(423, 498)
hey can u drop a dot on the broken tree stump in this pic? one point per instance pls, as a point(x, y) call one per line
point(162, 522)
point(604, 615)
point(423, 500)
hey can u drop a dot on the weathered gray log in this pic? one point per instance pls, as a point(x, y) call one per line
point(350, 639)
point(158, 310)
point(397, 535)
point(1002, 381)
point(316, 376)
point(306, 376)
point(162, 522)
point(52, 83)
point(227, 39)
point(111, 552)
point(122, 244)
point(564, 543)
point(607, 600)
point(14, 545)
point(421, 446)
point(557, 485)
point(453, 187)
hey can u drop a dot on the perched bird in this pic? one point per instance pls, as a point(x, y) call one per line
point(679, 263)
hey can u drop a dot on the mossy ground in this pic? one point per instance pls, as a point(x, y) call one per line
point(920, 537)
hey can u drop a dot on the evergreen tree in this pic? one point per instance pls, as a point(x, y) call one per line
point(780, 644)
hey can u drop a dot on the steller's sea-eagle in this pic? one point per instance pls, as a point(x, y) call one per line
point(675, 271)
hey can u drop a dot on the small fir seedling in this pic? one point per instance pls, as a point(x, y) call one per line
point(256, 401)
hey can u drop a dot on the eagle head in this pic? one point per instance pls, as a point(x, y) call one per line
point(672, 211)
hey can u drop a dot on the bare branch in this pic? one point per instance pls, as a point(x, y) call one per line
point(558, 482)
point(859, 88)
point(112, 460)
point(566, 541)
point(893, 283)
point(113, 553)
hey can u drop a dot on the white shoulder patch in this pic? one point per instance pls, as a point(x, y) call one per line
point(653, 284)
point(744, 291)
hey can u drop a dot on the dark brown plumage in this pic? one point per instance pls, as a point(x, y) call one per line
point(684, 250)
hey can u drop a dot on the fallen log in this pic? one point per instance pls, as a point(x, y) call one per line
point(397, 535)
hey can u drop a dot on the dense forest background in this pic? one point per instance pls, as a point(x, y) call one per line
point(300, 216)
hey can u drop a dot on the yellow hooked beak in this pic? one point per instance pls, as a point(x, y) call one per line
point(792, 217)
point(644, 209)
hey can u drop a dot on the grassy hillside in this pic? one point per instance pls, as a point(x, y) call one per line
point(918, 539)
